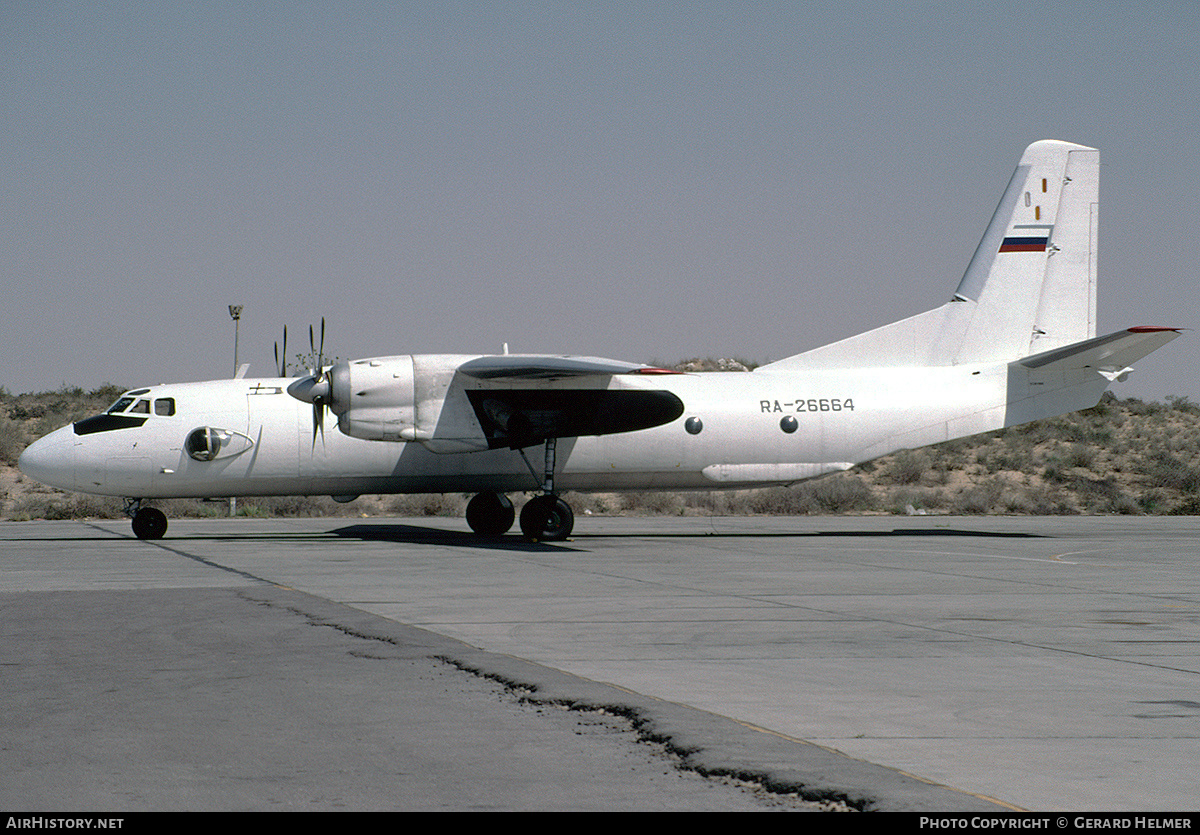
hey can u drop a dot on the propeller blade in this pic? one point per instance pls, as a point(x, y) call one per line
point(318, 423)
point(281, 356)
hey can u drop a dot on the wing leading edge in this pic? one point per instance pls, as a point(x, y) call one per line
point(538, 367)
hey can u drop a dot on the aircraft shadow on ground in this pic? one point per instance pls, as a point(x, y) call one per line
point(939, 532)
point(896, 532)
point(417, 534)
point(391, 532)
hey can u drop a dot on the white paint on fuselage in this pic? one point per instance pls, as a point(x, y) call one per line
point(842, 417)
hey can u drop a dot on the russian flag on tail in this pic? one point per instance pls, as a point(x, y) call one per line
point(1025, 243)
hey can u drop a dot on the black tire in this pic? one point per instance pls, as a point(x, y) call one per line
point(149, 523)
point(490, 514)
point(547, 519)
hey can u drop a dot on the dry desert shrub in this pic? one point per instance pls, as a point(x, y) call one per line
point(428, 504)
point(907, 467)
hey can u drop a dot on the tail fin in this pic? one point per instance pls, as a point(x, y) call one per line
point(1030, 287)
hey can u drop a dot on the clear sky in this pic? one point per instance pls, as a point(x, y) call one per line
point(643, 181)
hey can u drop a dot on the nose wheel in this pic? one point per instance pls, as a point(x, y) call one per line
point(149, 523)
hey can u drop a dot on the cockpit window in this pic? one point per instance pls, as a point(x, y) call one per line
point(164, 406)
point(126, 413)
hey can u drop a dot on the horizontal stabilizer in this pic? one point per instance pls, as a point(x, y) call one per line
point(1109, 355)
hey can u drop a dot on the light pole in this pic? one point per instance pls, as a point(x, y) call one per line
point(235, 313)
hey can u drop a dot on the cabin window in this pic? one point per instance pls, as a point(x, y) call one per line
point(164, 406)
point(142, 407)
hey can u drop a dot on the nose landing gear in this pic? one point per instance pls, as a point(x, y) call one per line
point(148, 522)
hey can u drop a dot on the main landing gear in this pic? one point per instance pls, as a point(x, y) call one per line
point(148, 522)
point(490, 514)
point(545, 517)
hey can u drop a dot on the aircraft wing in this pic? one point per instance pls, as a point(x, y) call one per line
point(1110, 356)
point(537, 367)
point(519, 404)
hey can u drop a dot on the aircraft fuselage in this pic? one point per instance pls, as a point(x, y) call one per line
point(736, 430)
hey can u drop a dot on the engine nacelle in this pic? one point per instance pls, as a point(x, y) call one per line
point(374, 399)
point(406, 398)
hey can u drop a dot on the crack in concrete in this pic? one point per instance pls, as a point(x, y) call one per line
point(680, 756)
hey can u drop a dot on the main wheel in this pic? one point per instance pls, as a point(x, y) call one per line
point(149, 523)
point(547, 519)
point(490, 514)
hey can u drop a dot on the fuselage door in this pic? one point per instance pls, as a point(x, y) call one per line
point(271, 423)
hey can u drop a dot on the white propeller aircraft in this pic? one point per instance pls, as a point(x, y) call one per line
point(1016, 342)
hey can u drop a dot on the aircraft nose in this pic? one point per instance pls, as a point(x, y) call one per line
point(51, 460)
